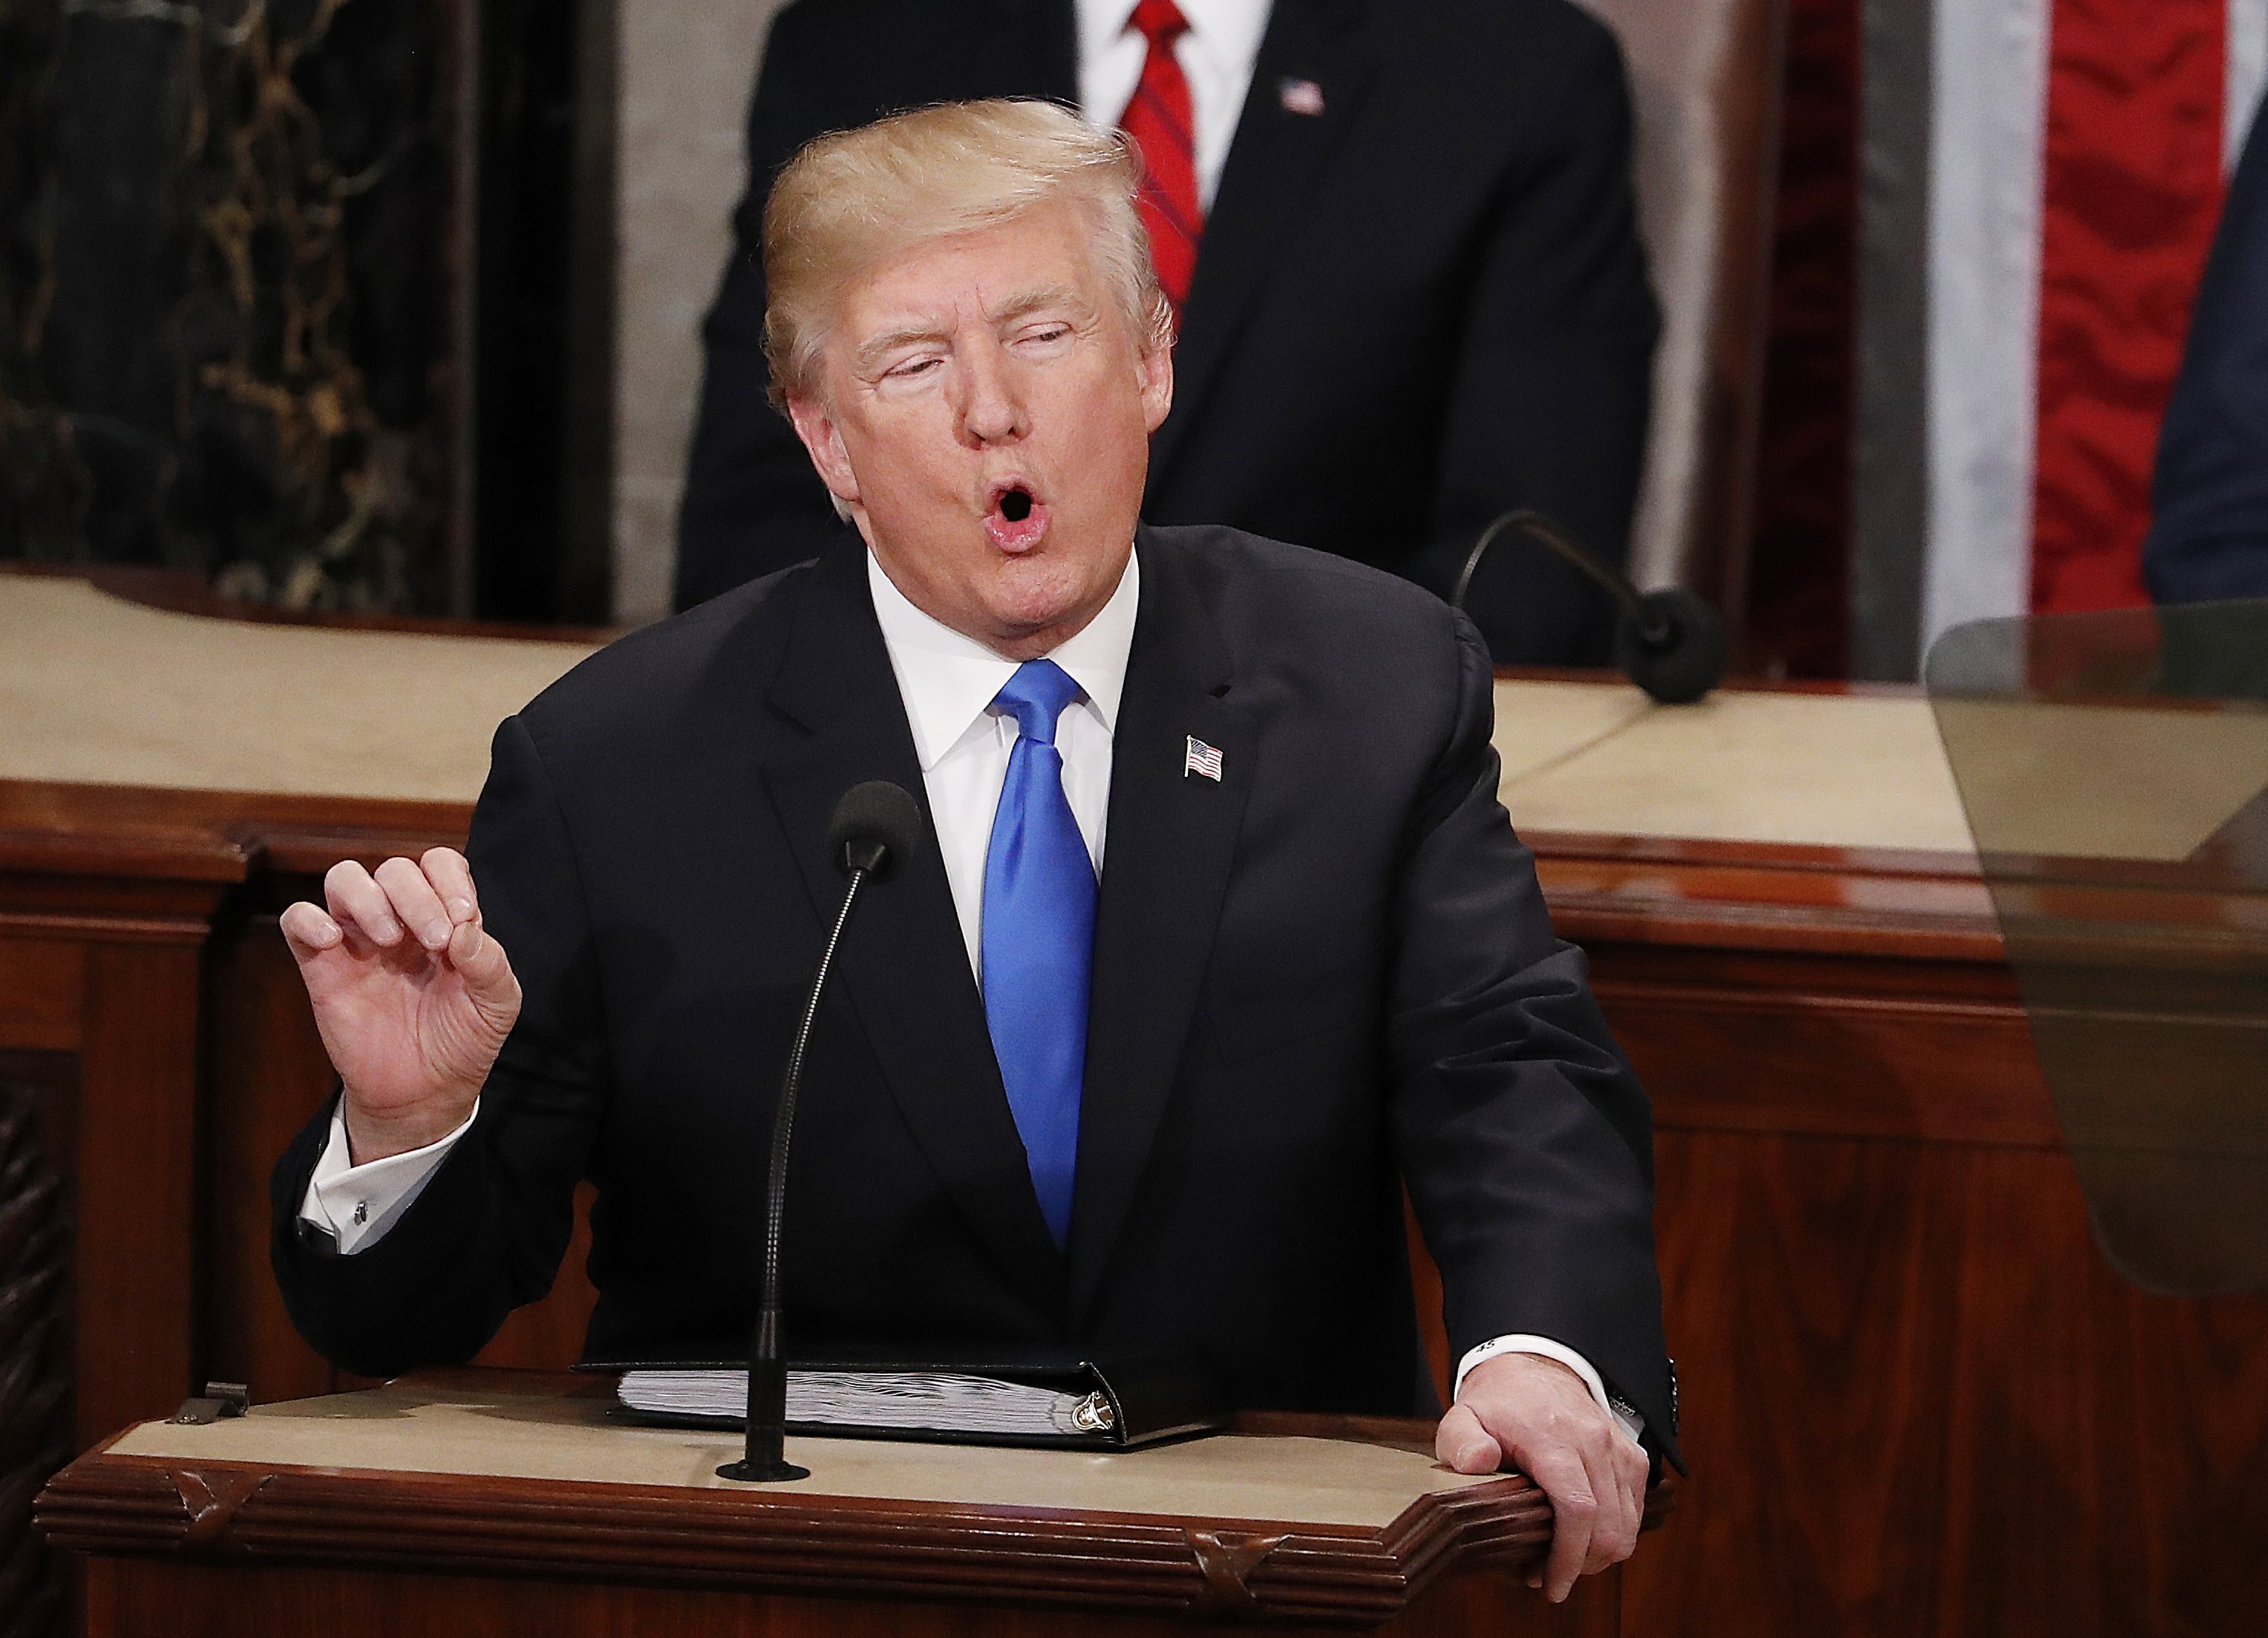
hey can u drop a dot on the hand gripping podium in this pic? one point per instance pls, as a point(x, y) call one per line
point(512, 1503)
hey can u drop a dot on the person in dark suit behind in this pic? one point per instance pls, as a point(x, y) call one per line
point(1175, 1106)
point(2210, 539)
point(1418, 299)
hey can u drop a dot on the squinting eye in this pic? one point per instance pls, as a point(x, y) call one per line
point(907, 370)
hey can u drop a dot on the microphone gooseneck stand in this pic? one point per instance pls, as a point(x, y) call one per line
point(874, 826)
point(1668, 642)
point(764, 1460)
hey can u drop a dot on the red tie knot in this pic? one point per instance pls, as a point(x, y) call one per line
point(1161, 21)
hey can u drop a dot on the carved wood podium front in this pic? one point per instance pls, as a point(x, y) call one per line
point(515, 1504)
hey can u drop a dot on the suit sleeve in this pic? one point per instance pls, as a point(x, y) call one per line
point(1526, 1141)
point(1548, 408)
point(487, 1233)
point(2210, 540)
point(752, 502)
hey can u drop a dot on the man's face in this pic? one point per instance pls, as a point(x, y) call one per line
point(985, 416)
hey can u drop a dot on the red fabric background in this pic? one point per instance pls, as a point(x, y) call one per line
point(2133, 191)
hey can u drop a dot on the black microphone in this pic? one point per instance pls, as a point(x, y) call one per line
point(875, 829)
point(1669, 642)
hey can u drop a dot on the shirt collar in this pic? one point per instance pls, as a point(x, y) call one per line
point(948, 679)
point(1231, 28)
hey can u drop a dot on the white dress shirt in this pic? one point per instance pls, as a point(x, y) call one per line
point(1216, 55)
point(948, 682)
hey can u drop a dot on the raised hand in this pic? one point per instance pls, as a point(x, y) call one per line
point(1538, 1415)
point(413, 998)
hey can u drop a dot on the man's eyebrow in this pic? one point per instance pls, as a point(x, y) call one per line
point(875, 348)
point(1028, 301)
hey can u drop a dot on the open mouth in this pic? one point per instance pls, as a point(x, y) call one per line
point(1017, 519)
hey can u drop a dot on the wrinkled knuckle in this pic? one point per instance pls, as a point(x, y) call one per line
point(1565, 1470)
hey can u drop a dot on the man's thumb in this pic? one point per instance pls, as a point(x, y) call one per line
point(1462, 1443)
point(487, 972)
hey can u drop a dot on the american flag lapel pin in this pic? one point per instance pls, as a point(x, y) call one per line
point(1300, 96)
point(1202, 759)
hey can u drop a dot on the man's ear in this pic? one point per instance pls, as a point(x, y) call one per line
point(1156, 365)
point(822, 441)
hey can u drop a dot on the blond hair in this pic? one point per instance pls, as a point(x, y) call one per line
point(852, 199)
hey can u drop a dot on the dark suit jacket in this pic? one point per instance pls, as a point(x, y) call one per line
point(1422, 307)
point(2211, 537)
point(1328, 972)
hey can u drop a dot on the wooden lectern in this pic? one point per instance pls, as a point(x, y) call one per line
point(515, 1504)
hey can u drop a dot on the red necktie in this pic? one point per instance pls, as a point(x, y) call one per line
point(1159, 120)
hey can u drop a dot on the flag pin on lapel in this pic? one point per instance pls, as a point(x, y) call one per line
point(1300, 96)
point(1202, 759)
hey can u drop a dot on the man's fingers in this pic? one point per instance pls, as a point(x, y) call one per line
point(1460, 1443)
point(1574, 1519)
point(356, 902)
point(1635, 1469)
point(416, 904)
point(308, 932)
point(1615, 1530)
point(451, 878)
point(1617, 1470)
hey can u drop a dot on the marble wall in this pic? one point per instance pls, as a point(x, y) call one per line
point(684, 70)
point(224, 319)
point(230, 286)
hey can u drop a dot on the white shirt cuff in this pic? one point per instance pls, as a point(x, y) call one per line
point(1629, 1421)
point(358, 1204)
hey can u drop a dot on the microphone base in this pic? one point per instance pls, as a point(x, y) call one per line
point(772, 1473)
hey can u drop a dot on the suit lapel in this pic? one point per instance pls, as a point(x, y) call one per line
point(1171, 837)
point(1274, 163)
point(904, 965)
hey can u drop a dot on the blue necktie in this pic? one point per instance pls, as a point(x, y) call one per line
point(1038, 939)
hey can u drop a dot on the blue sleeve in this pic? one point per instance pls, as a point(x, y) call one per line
point(2211, 492)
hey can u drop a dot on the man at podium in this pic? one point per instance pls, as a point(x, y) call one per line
point(1219, 938)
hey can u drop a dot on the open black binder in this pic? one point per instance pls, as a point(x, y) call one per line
point(1115, 1402)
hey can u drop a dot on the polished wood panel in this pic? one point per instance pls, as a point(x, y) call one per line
point(138, 1228)
point(1072, 1564)
point(269, 1074)
point(1916, 1397)
point(196, 1601)
point(1931, 1407)
point(100, 930)
point(42, 986)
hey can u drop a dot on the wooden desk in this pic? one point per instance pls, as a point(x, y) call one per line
point(1915, 1398)
point(504, 1503)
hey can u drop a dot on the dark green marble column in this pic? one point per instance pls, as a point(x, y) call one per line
point(224, 289)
